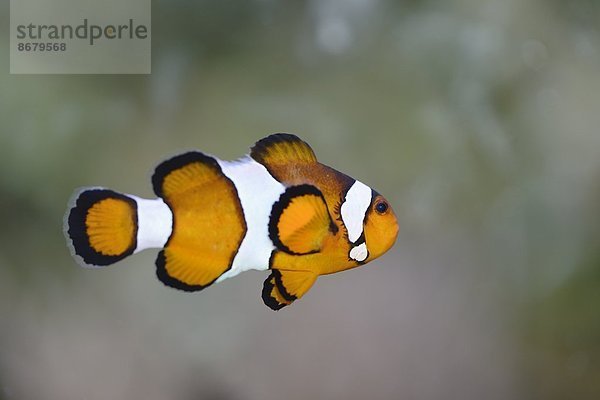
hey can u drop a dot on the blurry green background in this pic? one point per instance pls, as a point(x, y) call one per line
point(479, 121)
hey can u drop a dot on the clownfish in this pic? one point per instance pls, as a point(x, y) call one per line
point(276, 209)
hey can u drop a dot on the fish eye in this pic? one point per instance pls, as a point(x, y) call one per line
point(381, 207)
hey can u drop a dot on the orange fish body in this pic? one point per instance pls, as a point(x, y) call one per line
point(277, 209)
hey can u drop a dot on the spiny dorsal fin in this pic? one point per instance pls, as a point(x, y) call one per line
point(281, 149)
point(300, 220)
point(282, 287)
point(184, 172)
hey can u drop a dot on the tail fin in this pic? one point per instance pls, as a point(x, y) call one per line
point(101, 226)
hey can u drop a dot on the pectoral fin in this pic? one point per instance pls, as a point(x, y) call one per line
point(300, 220)
point(282, 287)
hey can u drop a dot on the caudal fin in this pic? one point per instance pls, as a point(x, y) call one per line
point(101, 226)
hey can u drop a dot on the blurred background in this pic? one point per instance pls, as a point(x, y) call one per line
point(479, 121)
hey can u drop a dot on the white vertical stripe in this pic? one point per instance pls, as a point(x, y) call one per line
point(257, 191)
point(359, 253)
point(355, 208)
point(155, 223)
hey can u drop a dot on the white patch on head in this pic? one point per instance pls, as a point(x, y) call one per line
point(155, 223)
point(354, 209)
point(359, 253)
point(257, 191)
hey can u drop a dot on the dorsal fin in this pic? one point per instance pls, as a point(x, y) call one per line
point(208, 221)
point(281, 149)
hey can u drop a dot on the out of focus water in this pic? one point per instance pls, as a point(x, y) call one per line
point(479, 121)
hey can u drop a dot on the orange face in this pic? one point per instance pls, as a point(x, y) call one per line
point(380, 227)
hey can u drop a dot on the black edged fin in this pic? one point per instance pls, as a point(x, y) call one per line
point(281, 149)
point(283, 287)
point(300, 220)
point(294, 284)
point(186, 178)
point(208, 221)
point(271, 295)
point(101, 226)
point(171, 281)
